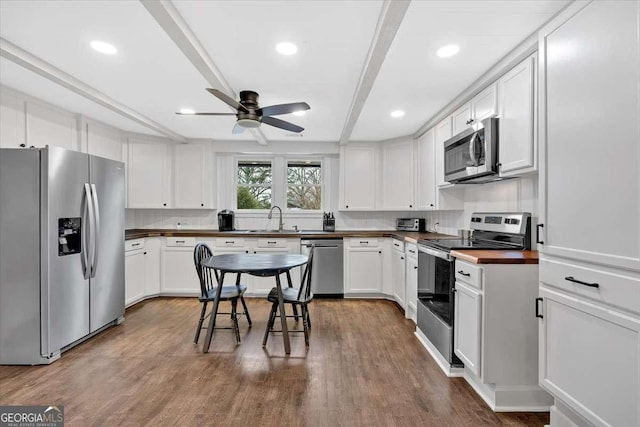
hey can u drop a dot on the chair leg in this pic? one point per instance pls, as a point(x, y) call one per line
point(305, 317)
point(234, 318)
point(308, 316)
point(295, 312)
point(200, 322)
point(246, 310)
point(272, 318)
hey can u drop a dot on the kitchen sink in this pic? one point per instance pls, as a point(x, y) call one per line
point(274, 231)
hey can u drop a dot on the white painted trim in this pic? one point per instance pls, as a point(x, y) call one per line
point(391, 16)
point(174, 25)
point(435, 354)
point(25, 59)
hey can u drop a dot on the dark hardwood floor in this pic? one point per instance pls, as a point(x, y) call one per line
point(364, 367)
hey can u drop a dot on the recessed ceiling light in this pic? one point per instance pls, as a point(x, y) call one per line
point(286, 48)
point(187, 111)
point(448, 50)
point(104, 47)
point(299, 113)
point(397, 113)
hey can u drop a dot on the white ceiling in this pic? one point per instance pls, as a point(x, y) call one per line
point(152, 76)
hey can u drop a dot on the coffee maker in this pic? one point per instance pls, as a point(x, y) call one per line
point(225, 220)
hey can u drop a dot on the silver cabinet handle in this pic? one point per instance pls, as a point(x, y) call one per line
point(96, 236)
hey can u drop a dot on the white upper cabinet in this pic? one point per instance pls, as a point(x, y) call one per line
point(443, 131)
point(104, 141)
point(149, 175)
point(590, 133)
point(193, 176)
point(358, 177)
point(426, 185)
point(398, 164)
point(517, 89)
point(12, 131)
point(483, 105)
point(48, 126)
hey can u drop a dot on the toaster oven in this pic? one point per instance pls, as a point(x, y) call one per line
point(411, 224)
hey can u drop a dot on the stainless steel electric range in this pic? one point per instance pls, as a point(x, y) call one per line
point(436, 275)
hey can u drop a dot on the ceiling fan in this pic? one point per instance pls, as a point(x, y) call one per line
point(250, 115)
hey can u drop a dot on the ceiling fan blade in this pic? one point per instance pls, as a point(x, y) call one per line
point(281, 124)
point(274, 110)
point(206, 114)
point(237, 129)
point(227, 99)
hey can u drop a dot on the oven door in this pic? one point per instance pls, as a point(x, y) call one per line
point(435, 282)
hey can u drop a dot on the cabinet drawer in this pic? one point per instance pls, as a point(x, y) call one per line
point(132, 245)
point(469, 274)
point(411, 250)
point(398, 245)
point(272, 243)
point(229, 241)
point(362, 241)
point(616, 289)
point(181, 241)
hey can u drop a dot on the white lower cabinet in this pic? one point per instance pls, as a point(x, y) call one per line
point(496, 334)
point(398, 273)
point(468, 319)
point(363, 266)
point(134, 276)
point(152, 266)
point(411, 279)
point(178, 274)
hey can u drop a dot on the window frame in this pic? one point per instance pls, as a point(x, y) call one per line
point(272, 184)
point(322, 185)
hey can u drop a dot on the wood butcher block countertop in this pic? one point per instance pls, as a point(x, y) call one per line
point(478, 256)
point(412, 237)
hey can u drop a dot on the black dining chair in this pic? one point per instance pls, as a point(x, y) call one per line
point(209, 287)
point(297, 297)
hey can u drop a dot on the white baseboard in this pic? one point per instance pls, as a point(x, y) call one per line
point(435, 354)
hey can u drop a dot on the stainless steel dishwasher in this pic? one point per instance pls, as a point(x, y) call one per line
point(327, 274)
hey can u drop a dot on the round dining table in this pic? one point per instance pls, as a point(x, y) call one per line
point(263, 265)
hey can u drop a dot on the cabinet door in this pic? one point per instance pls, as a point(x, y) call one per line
point(590, 131)
point(517, 96)
point(104, 142)
point(178, 273)
point(192, 180)
point(426, 171)
point(484, 104)
point(398, 277)
point(148, 175)
point(411, 297)
point(12, 131)
point(467, 323)
point(364, 270)
point(398, 175)
point(263, 285)
point(134, 275)
point(230, 278)
point(443, 132)
point(47, 126)
point(152, 266)
point(590, 358)
point(461, 118)
point(359, 177)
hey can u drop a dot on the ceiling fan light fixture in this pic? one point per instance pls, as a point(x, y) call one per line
point(286, 48)
point(248, 123)
point(448, 51)
point(299, 113)
point(103, 47)
point(187, 111)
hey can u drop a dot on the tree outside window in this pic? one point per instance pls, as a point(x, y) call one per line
point(304, 185)
point(254, 185)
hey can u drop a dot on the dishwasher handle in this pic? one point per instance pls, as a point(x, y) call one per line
point(323, 246)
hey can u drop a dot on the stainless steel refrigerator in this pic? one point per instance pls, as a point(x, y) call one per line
point(61, 251)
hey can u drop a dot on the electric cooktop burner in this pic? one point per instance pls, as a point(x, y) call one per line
point(447, 245)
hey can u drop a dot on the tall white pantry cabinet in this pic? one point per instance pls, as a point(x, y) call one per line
point(589, 225)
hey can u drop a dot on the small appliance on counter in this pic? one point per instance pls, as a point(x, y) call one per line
point(328, 221)
point(226, 220)
point(411, 224)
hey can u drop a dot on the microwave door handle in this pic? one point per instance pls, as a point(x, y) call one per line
point(472, 149)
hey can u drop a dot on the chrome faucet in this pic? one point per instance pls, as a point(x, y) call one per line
point(280, 225)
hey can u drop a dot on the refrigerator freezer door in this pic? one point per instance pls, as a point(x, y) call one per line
point(107, 263)
point(64, 290)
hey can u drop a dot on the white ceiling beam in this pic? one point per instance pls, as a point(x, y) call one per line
point(391, 16)
point(170, 20)
point(31, 62)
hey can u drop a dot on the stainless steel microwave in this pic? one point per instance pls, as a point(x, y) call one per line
point(472, 155)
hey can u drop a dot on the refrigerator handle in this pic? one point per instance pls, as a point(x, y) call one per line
point(87, 214)
point(95, 236)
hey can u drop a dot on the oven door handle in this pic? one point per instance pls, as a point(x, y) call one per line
point(434, 252)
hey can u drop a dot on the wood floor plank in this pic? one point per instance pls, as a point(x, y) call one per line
point(364, 367)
